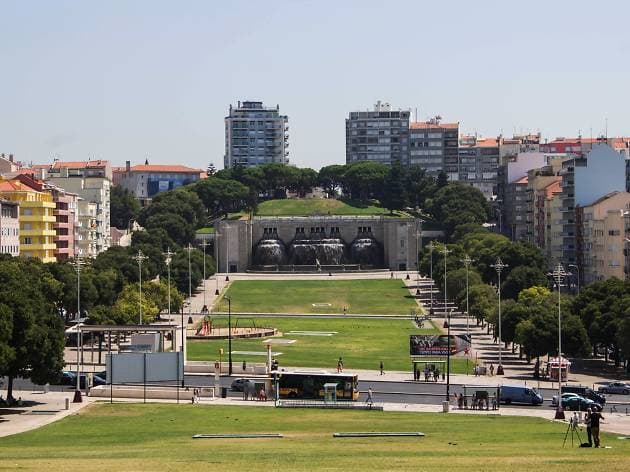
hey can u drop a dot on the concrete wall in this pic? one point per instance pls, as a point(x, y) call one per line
point(237, 238)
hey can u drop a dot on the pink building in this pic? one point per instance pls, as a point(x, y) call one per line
point(66, 217)
point(9, 228)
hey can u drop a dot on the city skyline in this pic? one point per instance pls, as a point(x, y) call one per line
point(150, 80)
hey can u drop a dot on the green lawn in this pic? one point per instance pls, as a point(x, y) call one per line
point(319, 206)
point(206, 230)
point(362, 343)
point(385, 296)
point(152, 437)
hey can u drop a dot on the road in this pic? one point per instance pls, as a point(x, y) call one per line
point(383, 391)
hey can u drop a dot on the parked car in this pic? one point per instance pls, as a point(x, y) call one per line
point(585, 392)
point(578, 403)
point(554, 399)
point(513, 394)
point(616, 387)
point(68, 378)
point(238, 385)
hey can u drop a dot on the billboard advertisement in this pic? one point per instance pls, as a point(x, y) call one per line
point(437, 344)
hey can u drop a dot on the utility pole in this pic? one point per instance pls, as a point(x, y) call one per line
point(168, 258)
point(204, 244)
point(140, 258)
point(431, 246)
point(558, 275)
point(467, 261)
point(216, 271)
point(499, 266)
point(78, 263)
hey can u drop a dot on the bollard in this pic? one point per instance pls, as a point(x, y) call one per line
point(67, 403)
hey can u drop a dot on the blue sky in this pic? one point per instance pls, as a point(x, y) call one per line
point(123, 80)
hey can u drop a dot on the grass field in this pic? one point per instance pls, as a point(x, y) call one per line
point(125, 437)
point(388, 297)
point(362, 343)
point(318, 206)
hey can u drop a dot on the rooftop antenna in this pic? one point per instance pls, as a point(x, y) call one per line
point(606, 129)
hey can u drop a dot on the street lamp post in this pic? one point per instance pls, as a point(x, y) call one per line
point(448, 357)
point(431, 247)
point(168, 258)
point(204, 244)
point(189, 248)
point(499, 266)
point(230, 336)
point(467, 261)
point(418, 235)
point(216, 270)
point(140, 258)
point(227, 255)
point(558, 274)
point(446, 252)
point(577, 268)
point(78, 263)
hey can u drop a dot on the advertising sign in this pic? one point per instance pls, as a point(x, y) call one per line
point(437, 344)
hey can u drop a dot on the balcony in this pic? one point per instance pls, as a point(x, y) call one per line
point(61, 212)
point(37, 247)
point(37, 232)
point(38, 218)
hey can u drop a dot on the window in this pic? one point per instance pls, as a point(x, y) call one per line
point(27, 240)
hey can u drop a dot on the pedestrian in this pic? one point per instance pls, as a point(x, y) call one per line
point(426, 374)
point(587, 422)
point(436, 374)
point(596, 416)
point(491, 370)
point(369, 400)
point(382, 367)
point(494, 401)
point(476, 370)
point(340, 365)
point(460, 401)
point(465, 402)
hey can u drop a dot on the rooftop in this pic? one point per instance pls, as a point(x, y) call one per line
point(433, 125)
point(160, 168)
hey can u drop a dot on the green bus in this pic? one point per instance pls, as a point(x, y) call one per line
point(310, 385)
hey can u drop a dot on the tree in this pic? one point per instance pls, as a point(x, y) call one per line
point(124, 207)
point(456, 283)
point(303, 181)
point(31, 333)
point(176, 227)
point(7, 352)
point(331, 178)
point(222, 196)
point(364, 179)
point(456, 204)
point(419, 185)
point(602, 306)
point(181, 202)
point(154, 300)
point(482, 299)
point(442, 179)
point(522, 277)
point(395, 195)
point(538, 332)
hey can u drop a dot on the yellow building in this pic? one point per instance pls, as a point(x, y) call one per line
point(37, 219)
point(603, 236)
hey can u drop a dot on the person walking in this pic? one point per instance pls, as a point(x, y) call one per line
point(369, 400)
point(596, 416)
point(382, 367)
point(340, 365)
point(491, 370)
